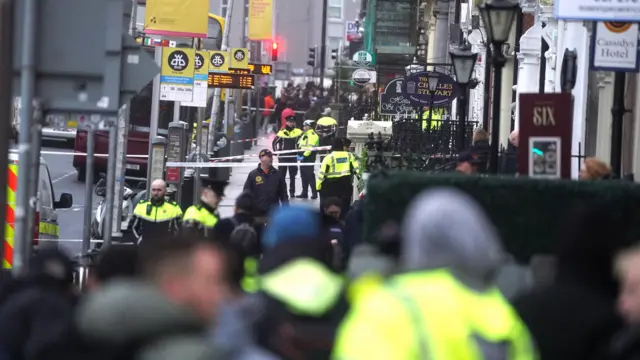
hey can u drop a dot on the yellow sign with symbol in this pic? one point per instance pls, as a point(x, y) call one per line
point(218, 61)
point(176, 74)
point(239, 58)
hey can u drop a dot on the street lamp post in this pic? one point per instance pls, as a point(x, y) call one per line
point(464, 61)
point(432, 78)
point(497, 16)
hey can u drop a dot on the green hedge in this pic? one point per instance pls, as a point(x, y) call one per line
point(527, 212)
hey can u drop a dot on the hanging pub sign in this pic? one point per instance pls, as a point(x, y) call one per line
point(393, 101)
point(416, 89)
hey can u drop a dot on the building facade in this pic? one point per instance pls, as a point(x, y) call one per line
point(297, 26)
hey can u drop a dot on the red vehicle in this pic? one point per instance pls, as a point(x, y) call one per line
point(137, 141)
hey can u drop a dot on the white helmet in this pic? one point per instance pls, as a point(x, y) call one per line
point(308, 123)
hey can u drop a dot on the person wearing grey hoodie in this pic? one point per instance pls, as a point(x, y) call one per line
point(165, 314)
point(449, 257)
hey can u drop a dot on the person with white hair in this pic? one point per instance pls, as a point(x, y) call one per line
point(444, 304)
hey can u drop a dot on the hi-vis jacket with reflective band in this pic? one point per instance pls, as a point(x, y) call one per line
point(156, 220)
point(336, 165)
point(47, 229)
point(431, 315)
point(249, 282)
point(201, 217)
point(436, 118)
point(305, 286)
point(308, 140)
point(194, 133)
point(286, 140)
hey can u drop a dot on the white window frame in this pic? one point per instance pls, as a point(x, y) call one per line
point(334, 4)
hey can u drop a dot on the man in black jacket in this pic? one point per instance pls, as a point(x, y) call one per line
point(243, 215)
point(266, 185)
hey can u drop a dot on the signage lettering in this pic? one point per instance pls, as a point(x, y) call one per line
point(543, 116)
point(231, 81)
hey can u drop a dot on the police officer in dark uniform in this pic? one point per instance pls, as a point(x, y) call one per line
point(268, 188)
point(154, 217)
point(203, 216)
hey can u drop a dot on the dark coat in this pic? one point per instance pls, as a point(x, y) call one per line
point(575, 317)
point(225, 227)
point(353, 228)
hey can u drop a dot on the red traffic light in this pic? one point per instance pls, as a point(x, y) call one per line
point(274, 46)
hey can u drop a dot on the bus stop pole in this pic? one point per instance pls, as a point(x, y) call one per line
point(22, 238)
point(155, 113)
point(6, 104)
point(215, 106)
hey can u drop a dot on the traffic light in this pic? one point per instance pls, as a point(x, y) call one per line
point(312, 57)
point(334, 55)
point(274, 51)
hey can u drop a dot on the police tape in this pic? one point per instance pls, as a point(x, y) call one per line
point(231, 164)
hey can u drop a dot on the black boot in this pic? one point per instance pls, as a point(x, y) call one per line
point(303, 196)
point(314, 196)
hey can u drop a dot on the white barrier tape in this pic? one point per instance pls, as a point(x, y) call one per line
point(282, 152)
point(231, 164)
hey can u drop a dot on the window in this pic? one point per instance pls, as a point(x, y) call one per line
point(223, 8)
point(46, 197)
point(334, 10)
point(333, 43)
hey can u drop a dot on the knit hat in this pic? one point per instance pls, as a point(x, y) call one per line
point(290, 223)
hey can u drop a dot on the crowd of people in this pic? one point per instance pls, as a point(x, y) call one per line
point(303, 284)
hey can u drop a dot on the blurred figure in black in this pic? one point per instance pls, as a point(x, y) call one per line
point(115, 262)
point(36, 321)
point(481, 147)
point(334, 227)
point(242, 215)
point(575, 317)
point(468, 163)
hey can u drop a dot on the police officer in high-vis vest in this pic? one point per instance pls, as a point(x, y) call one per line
point(153, 218)
point(336, 174)
point(443, 304)
point(308, 141)
point(203, 216)
point(433, 122)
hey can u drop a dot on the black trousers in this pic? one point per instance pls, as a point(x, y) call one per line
point(308, 178)
point(340, 188)
point(293, 171)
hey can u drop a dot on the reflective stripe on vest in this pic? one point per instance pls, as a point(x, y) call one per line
point(12, 188)
point(445, 325)
point(340, 165)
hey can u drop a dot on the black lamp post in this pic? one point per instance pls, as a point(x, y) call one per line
point(464, 61)
point(497, 16)
point(432, 78)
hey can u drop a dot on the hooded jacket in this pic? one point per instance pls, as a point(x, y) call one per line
point(458, 235)
point(456, 241)
point(135, 317)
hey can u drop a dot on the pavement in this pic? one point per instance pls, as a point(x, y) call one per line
point(64, 179)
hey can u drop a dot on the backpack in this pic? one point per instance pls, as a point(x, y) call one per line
point(244, 235)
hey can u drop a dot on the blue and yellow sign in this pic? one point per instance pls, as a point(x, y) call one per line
point(176, 74)
point(200, 77)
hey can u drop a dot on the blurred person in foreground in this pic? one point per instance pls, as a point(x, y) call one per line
point(268, 188)
point(36, 318)
point(303, 297)
point(117, 261)
point(594, 169)
point(200, 219)
point(163, 315)
point(575, 316)
point(334, 227)
point(449, 248)
point(626, 343)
